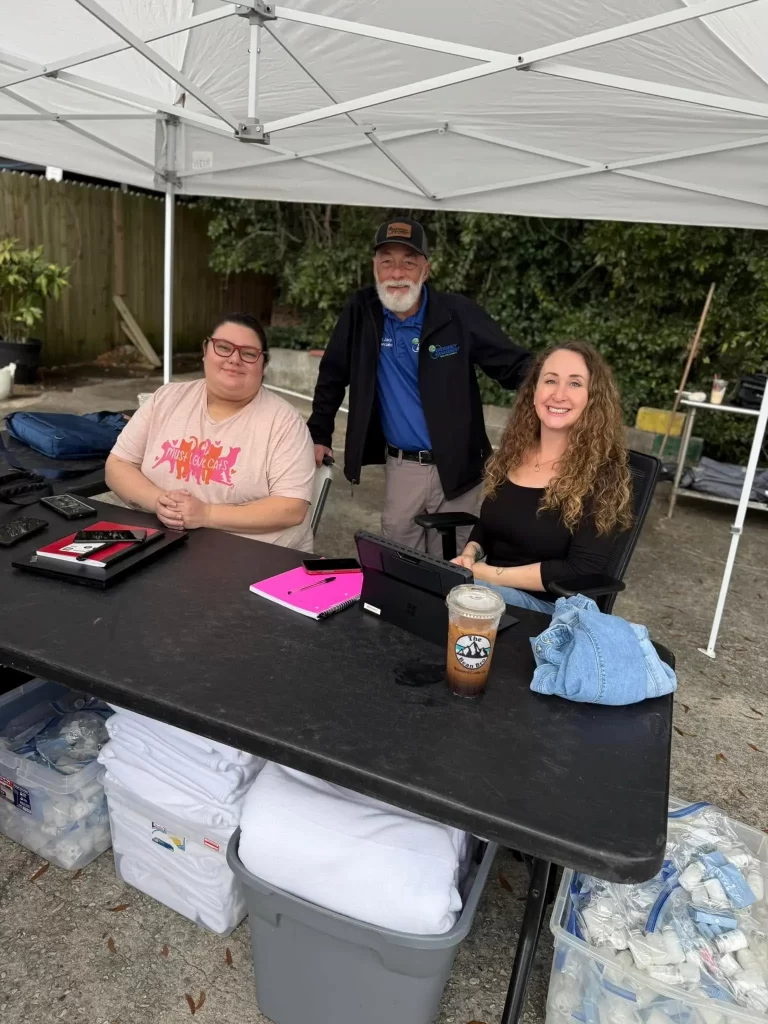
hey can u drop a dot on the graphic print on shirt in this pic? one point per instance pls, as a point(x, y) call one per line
point(201, 461)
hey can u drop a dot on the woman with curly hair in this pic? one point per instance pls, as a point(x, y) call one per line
point(558, 488)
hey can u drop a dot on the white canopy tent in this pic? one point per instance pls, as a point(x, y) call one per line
point(529, 107)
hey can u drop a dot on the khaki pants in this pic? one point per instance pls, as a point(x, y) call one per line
point(411, 489)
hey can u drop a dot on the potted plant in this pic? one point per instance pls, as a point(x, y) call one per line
point(27, 279)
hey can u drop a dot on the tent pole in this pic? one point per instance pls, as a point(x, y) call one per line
point(738, 523)
point(170, 212)
point(254, 55)
point(168, 255)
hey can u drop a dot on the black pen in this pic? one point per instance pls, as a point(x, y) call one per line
point(328, 579)
point(85, 555)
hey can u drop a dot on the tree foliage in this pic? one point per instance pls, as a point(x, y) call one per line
point(634, 290)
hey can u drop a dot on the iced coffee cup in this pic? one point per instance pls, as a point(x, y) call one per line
point(719, 387)
point(474, 614)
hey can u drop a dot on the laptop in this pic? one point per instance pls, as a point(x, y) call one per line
point(408, 588)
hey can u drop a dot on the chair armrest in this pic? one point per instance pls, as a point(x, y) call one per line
point(665, 654)
point(444, 520)
point(590, 586)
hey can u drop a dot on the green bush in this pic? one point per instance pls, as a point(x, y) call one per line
point(634, 290)
point(27, 279)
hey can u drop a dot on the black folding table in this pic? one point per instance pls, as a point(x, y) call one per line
point(183, 640)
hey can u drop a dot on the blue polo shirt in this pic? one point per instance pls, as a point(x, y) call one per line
point(402, 417)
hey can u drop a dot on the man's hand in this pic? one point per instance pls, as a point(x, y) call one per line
point(320, 452)
point(167, 511)
point(194, 513)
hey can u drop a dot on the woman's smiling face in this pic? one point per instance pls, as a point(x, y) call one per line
point(562, 391)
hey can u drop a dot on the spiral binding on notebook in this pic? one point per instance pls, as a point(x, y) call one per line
point(338, 608)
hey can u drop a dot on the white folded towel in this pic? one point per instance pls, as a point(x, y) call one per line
point(167, 796)
point(223, 786)
point(352, 854)
point(135, 831)
point(222, 919)
point(209, 753)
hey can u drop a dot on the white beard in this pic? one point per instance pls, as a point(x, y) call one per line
point(404, 299)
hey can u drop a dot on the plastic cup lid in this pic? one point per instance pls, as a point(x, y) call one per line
point(472, 600)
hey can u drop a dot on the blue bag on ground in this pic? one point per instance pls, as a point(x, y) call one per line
point(585, 655)
point(65, 435)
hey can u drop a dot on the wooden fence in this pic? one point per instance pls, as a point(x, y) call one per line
point(113, 242)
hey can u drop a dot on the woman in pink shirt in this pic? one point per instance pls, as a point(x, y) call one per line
point(221, 452)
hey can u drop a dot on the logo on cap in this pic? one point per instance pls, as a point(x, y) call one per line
point(398, 230)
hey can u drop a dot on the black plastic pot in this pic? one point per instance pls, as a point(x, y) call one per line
point(26, 355)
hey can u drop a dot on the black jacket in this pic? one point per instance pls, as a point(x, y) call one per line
point(457, 335)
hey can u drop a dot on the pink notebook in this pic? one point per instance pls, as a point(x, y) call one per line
point(315, 596)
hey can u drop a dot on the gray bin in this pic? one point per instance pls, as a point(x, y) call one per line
point(313, 966)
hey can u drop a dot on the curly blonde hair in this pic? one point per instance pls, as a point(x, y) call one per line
point(594, 470)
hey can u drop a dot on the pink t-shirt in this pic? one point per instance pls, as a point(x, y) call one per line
point(263, 450)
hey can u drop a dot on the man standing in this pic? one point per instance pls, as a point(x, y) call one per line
point(408, 354)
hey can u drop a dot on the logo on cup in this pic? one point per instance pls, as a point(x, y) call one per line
point(472, 652)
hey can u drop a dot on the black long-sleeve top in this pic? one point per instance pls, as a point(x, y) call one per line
point(512, 531)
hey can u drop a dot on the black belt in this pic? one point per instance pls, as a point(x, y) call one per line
point(423, 458)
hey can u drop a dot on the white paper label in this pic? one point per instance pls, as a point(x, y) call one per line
point(370, 608)
point(202, 160)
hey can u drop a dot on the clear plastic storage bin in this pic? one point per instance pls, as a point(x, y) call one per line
point(63, 818)
point(595, 985)
point(181, 865)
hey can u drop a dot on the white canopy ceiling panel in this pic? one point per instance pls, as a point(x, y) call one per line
point(300, 180)
point(47, 30)
point(687, 55)
point(218, 59)
point(628, 197)
point(589, 108)
point(745, 33)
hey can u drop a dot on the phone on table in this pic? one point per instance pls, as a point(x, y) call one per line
point(115, 536)
point(18, 529)
point(68, 505)
point(321, 566)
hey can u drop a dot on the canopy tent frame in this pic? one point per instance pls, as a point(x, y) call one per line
point(262, 18)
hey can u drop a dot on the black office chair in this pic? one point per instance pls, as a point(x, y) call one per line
point(645, 471)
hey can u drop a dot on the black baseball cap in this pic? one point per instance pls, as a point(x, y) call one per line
point(405, 232)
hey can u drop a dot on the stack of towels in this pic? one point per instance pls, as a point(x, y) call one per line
point(175, 798)
point(352, 854)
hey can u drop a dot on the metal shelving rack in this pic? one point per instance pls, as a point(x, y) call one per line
point(677, 491)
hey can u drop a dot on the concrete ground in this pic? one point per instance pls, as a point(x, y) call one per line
point(72, 953)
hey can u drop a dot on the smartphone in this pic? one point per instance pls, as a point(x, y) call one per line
point(116, 536)
point(321, 566)
point(17, 529)
point(69, 506)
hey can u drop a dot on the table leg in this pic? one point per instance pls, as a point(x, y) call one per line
point(681, 455)
point(528, 940)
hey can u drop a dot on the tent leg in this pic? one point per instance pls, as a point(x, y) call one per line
point(168, 253)
point(738, 523)
point(170, 217)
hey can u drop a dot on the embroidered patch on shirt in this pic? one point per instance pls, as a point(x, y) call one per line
point(441, 351)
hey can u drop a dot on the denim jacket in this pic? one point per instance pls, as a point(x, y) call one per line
point(585, 655)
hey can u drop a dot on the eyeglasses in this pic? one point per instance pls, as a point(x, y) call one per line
point(225, 349)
